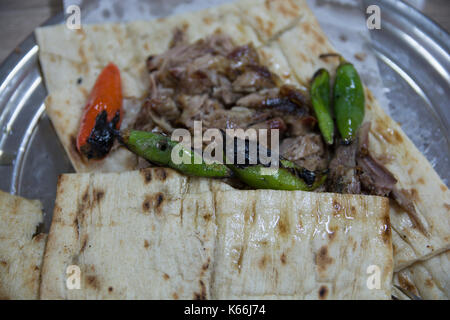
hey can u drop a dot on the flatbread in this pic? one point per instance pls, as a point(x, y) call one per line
point(156, 234)
point(21, 251)
point(134, 235)
point(269, 19)
point(272, 56)
point(290, 39)
point(300, 245)
point(428, 279)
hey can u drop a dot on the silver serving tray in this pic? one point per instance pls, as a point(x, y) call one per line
point(413, 57)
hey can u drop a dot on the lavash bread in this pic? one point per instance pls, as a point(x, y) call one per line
point(21, 251)
point(300, 245)
point(134, 235)
point(156, 234)
point(428, 279)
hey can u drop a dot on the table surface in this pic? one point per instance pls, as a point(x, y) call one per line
point(19, 18)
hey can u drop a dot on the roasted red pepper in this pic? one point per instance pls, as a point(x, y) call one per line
point(102, 115)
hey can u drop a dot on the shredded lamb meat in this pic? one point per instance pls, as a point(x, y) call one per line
point(375, 178)
point(307, 151)
point(343, 176)
point(225, 86)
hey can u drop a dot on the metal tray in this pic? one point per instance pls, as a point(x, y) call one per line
point(413, 57)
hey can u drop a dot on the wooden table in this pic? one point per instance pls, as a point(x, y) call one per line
point(19, 18)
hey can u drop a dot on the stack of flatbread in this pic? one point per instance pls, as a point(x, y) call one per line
point(156, 234)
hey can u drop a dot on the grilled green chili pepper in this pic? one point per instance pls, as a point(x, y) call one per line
point(282, 178)
point(320, 97)
point(157, 148)
point(287, 176)
point(348, 101)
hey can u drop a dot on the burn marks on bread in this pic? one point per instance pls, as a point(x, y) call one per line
point(323, 259)
point(202, 295)
point(323, 292)
point(88, 201)
point(153, 202)
point(146, 175)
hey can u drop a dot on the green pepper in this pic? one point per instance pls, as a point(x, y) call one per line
point(348, 101)
point(260, 177)
point(157, 149)
point(287, 176)
point(320, 97)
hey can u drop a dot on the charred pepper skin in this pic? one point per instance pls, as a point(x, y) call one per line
point(348, 101)
point(157, 149)
point(102, 114)
point(320, 98)
point(287, 176)
point(260, 177)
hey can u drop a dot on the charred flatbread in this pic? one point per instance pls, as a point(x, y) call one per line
point(300, 245)
point(21, 250)
point(159, 236)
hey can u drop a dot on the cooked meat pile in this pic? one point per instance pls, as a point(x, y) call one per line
point(226, 86)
